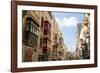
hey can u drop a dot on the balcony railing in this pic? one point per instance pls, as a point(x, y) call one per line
point(30, 39)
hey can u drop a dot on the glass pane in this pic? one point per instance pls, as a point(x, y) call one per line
point(27, 27)
point(28, 21)
point(31, 29)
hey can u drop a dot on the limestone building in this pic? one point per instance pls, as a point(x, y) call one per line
point(42, 40)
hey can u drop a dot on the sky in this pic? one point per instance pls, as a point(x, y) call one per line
point(67, 22)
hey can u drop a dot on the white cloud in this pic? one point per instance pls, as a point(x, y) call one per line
point(71, 46)
point(67, 22)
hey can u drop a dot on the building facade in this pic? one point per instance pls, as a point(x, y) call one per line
point(78, 51)
point(30, 37)
point(85, 37)
point(42, 40)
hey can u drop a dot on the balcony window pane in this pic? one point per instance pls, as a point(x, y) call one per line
point(27, 27)
point(28, 21)
point(31, 29)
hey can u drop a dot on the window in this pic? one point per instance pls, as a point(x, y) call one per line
point(28, 21)
point(27, 27)
point(40, 58)
point(45, 43)
point(33, 30)
point(60, 53)
point(54, 49)
point(45, 27)
point(31, 26)
point(42, 20)
point(48, 42)
point(37, 32)
point(49, 27)
point(45, 32)
point(41, 42)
